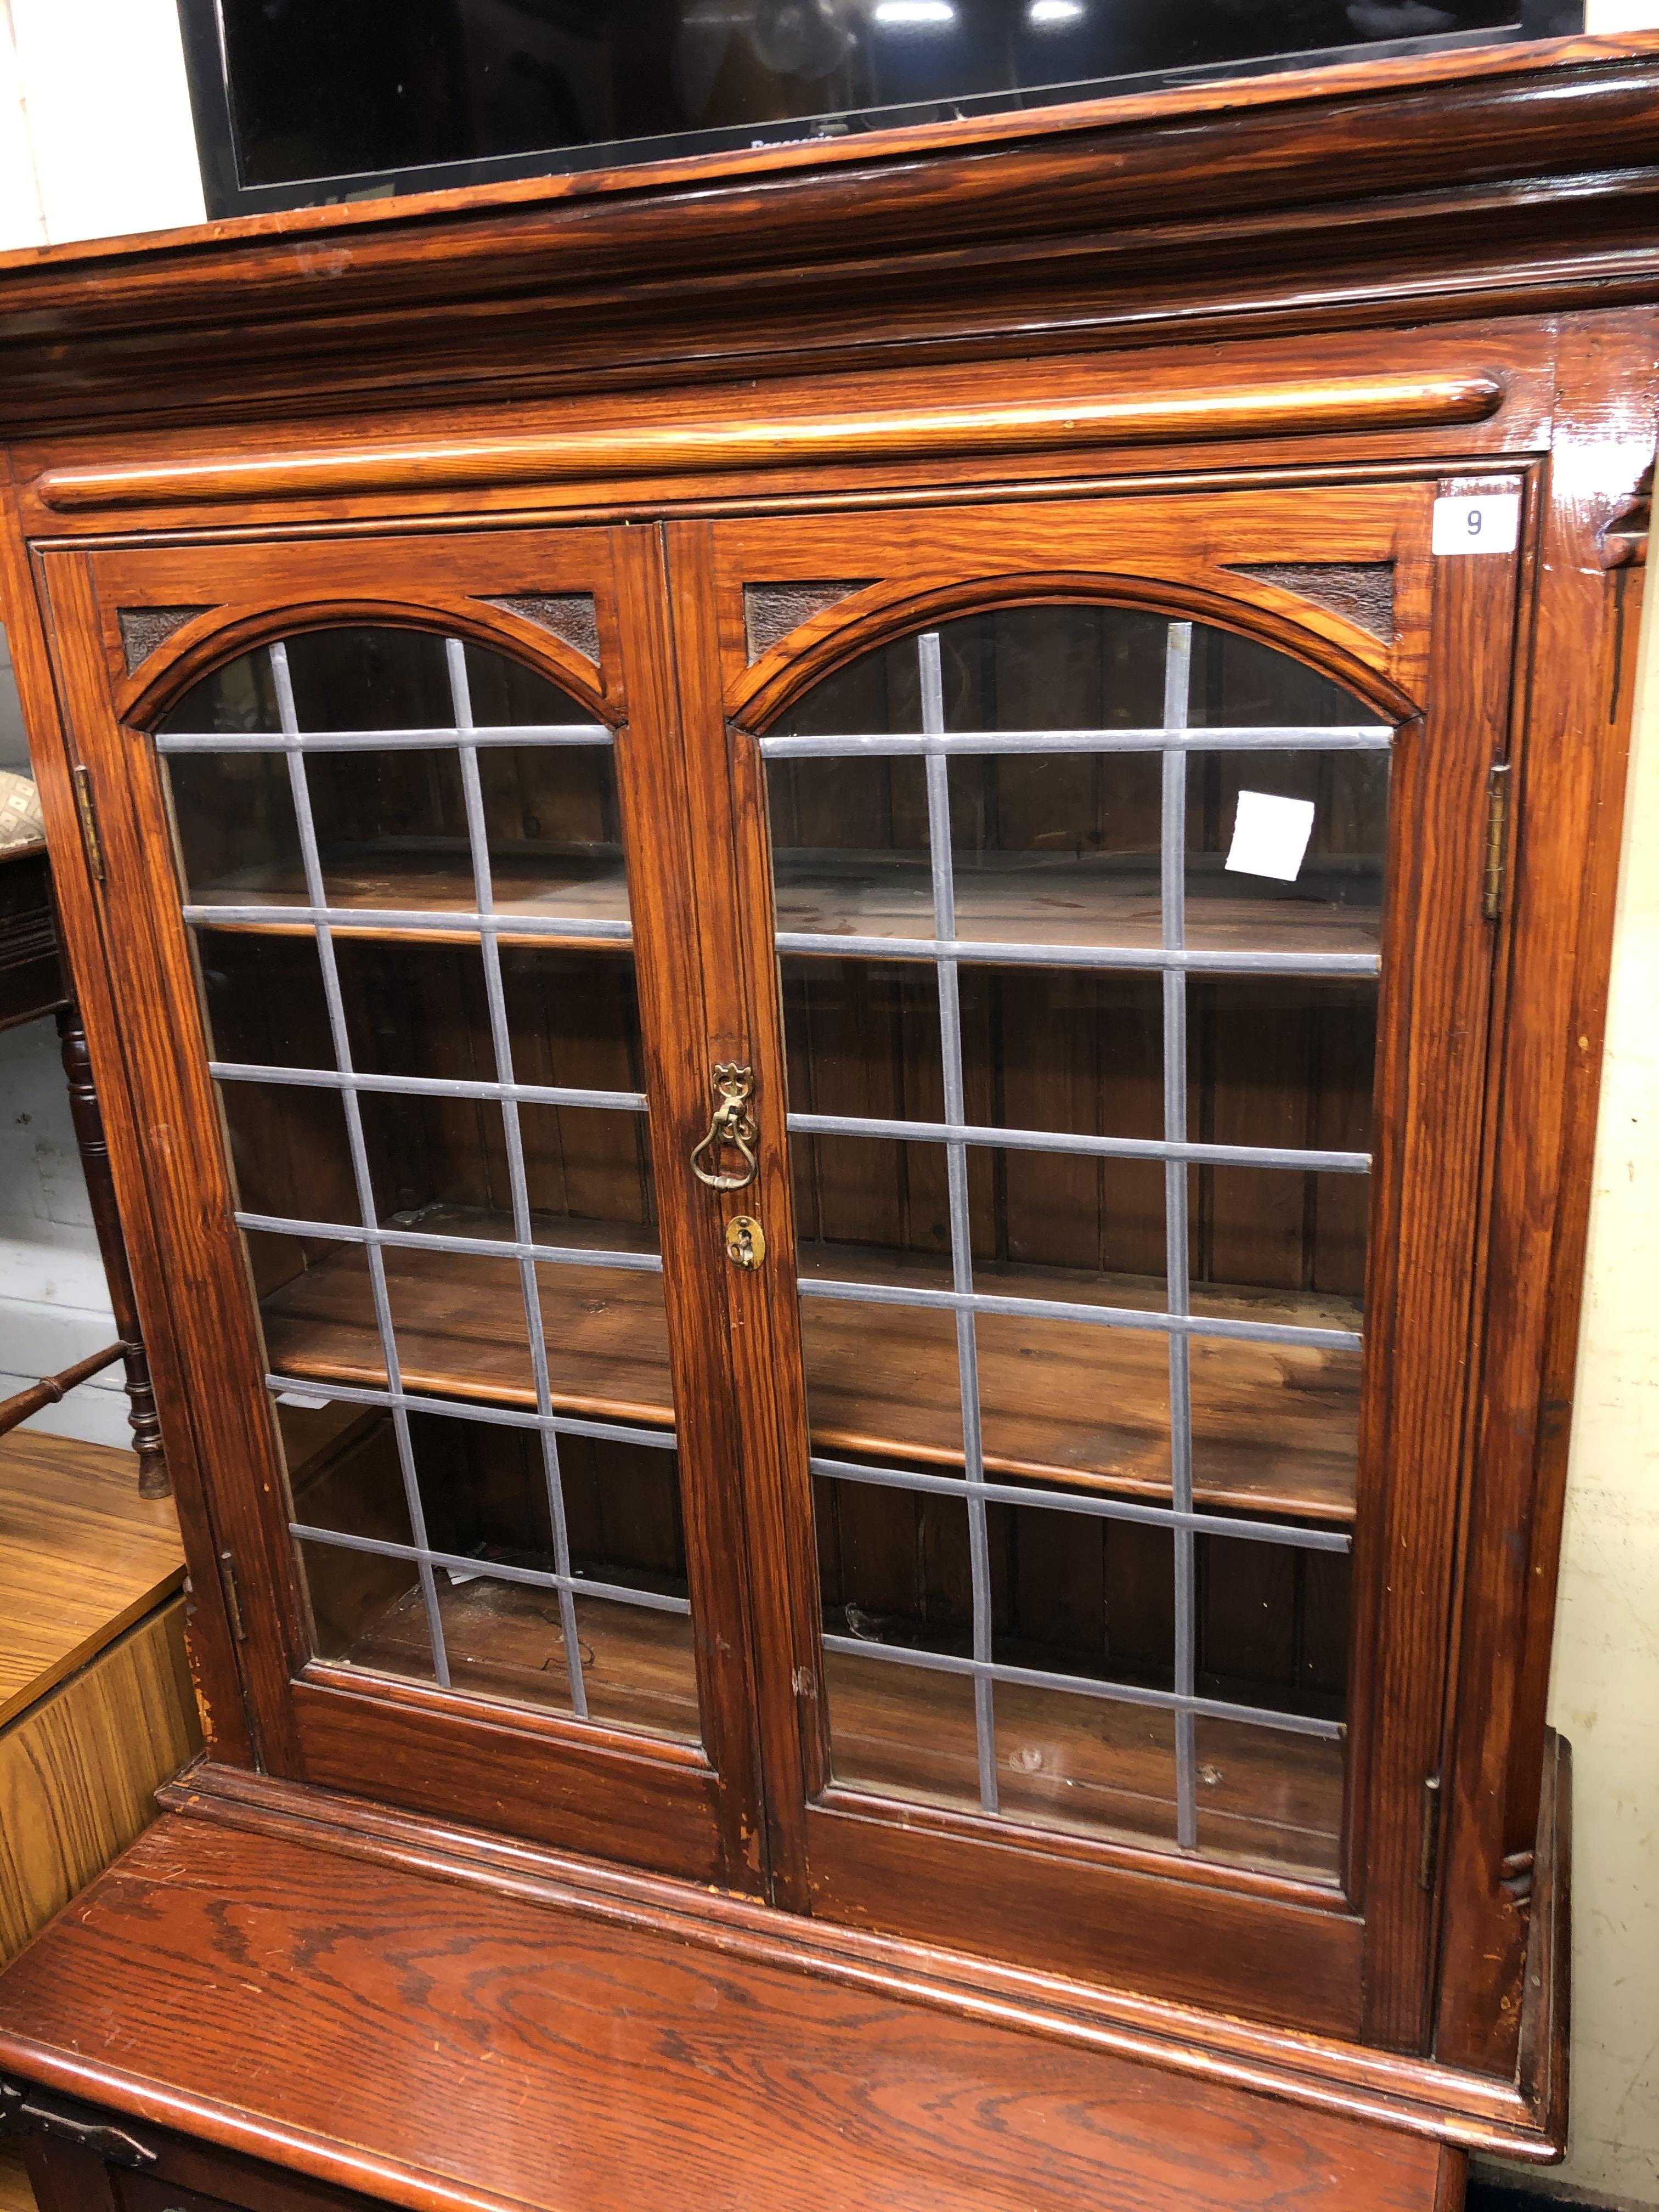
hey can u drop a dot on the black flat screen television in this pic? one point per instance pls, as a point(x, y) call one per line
point(299, 102)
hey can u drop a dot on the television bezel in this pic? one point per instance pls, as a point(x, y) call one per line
point(227, 194)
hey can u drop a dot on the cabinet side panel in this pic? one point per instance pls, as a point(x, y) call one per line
point(1563, 868)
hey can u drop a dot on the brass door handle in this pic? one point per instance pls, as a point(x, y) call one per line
point(733, 1125)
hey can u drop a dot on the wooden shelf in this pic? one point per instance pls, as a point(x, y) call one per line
point(503, 1641)
point(431, 877)
point(1267, 1797)
point(85, 1558)
point(1275, 1425)
point(1017, 898)
point(1022, 898)
point(1081, 1763)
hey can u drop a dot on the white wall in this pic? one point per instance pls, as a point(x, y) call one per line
point(95, 137)
point(1604, 1688)
point(54, 1308)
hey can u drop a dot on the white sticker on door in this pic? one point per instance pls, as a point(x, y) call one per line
point(1270, 835)
point(1489, 524)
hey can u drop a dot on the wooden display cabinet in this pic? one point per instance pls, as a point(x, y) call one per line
point(843, 913)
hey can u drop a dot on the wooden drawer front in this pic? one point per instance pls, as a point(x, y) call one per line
point(208, 2182)
point(60, 2174)
point(136, 2194)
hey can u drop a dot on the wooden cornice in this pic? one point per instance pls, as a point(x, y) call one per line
point(1517, 178)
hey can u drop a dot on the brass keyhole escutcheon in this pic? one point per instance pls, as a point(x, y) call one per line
point(745, 1241)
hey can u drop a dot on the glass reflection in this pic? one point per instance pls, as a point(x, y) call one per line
point(326, 88)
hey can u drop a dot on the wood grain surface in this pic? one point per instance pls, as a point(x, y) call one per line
point(1031, 901)
point(1377, 402)
point(1064, 1400)
point(597, 2060)
point(1258, 206)
point(80, 1770)
point(1071, 1763)
point(85, 1558)
point(907, 363)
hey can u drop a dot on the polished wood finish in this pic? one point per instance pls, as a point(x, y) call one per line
point(1355, 404)
point(1472, 2110)
point(315, 1957)
point(1213, 354)
point(1238, 207)
point(923, 1874)
point(1565, 881)
point(96, 1711)
point(86, 1559)
point(1064, 1401)
point(213, 1663)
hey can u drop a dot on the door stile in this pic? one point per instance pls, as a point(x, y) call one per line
point(656, 772)
point(181, 1165)
point(1432, 1083)
point(731, 857)
point(221, 1694)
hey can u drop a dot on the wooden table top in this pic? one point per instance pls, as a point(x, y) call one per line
point(440, 2044)
point(81, 1557)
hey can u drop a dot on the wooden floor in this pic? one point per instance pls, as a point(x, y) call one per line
point(1275, 1426)
point(1086, 1765)
point(16, 2194)
point(85, 1558)
point(1017, 898)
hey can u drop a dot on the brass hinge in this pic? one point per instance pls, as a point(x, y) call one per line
point(233, 1594)
point(1498, 825)
point(90, 836)
point(1428, 1841)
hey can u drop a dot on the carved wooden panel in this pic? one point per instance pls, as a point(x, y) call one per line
point(1360, 591)
point(143, 629)
point(569, 616)
point(770, 612)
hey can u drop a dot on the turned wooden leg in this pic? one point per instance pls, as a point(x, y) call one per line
point(94, 1160)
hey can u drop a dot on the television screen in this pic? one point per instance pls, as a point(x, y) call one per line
point(301, 101)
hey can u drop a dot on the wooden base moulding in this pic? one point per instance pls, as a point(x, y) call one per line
point(378, 1952)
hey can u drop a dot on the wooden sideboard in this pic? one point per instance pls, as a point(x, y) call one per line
point(96, 1711)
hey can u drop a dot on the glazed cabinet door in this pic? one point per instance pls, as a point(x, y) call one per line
point(1111, 890)
point(394, 908)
